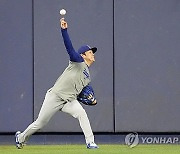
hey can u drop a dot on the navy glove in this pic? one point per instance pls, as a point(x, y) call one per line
point(87, 96)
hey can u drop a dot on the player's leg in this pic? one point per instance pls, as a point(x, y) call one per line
point(52, 103)
point(75, 109)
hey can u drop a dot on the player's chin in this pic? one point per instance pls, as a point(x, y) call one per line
point(93, 59)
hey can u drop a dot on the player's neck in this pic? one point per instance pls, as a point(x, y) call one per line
point(88, 63)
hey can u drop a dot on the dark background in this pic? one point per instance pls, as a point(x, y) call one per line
point(136, 75)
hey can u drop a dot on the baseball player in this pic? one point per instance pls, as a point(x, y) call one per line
point(63, 95)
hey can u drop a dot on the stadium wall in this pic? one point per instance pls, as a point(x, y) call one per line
point(136, 75)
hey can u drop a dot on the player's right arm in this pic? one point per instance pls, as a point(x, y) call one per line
point(74, 56)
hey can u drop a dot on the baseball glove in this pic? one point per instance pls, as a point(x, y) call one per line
point(87, 96)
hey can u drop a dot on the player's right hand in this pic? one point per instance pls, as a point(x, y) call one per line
point(63, 23)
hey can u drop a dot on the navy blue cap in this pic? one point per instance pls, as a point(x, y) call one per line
point(85, 48)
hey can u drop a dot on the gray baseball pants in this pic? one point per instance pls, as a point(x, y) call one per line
point(53, 103)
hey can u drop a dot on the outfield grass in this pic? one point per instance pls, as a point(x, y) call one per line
point(81, 149)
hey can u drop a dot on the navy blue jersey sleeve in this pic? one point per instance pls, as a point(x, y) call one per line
point(74, 56)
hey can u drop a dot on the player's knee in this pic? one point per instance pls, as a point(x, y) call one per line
point(81, 113)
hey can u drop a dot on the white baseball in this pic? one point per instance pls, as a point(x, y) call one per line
point(62, 12)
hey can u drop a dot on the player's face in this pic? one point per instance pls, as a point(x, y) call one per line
point(89, 57)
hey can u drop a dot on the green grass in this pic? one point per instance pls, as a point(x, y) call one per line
point(81, 149)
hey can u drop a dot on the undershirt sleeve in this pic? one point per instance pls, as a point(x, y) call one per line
point(74, 56)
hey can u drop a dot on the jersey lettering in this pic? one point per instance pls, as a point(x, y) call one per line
point(85, 74)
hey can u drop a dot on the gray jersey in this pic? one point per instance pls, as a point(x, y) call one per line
point(74, 78)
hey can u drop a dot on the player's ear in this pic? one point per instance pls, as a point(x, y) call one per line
point(83, 55)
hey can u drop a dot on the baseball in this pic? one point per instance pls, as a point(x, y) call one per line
point(62, 12)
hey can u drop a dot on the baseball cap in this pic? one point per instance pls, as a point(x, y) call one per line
point(85, 48)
